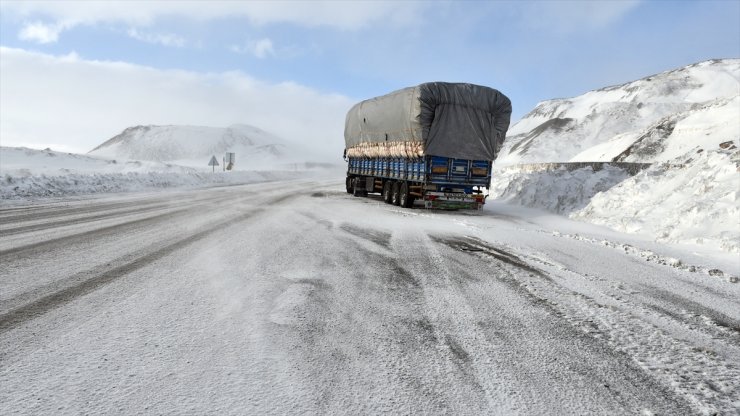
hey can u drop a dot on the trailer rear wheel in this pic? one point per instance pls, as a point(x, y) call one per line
point(358, 187)
point(348, 184)
point(396, 193)
point(404, 199)
point(388, 192)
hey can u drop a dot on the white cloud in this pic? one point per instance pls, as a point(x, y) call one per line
point(78, 103)
point(340, 15)
point(165, 39)
point(41, 32)
point(259, 48)
point(262, 48)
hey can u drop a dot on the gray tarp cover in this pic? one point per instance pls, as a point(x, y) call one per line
point(456, 120)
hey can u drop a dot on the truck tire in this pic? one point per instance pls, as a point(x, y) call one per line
point(348, 184)
point(396, 193)
point(358, 187)
point(388, 192)
point(405, 200)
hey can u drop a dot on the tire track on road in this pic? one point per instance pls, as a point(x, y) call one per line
point(77, 220)
point(88, 281)
point(445, 313)
point(688, 311)
point(9, 215)
point(55, 216)
point(624, 333)
point(87, 206)
point(33, 249)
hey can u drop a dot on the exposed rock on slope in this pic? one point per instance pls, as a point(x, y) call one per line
point(704, 128)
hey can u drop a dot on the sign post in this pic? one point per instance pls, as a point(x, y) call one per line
point(213, 163)
point(229, 160)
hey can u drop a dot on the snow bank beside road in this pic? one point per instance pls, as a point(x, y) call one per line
point(692, 199)
point(694, 202)
point(560, 191)
point(42, 186)
point(32, 174)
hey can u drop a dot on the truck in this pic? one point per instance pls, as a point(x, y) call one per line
point(435, 142)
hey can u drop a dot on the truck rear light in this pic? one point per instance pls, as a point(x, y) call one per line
point(430, 197)
point(479, 171)
point(439, 169)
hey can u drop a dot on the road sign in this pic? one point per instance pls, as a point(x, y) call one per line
point(213, 162)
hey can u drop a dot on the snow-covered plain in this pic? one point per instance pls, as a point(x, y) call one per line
point(297, 298)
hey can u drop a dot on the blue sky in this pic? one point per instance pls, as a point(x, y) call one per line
point(322, 56)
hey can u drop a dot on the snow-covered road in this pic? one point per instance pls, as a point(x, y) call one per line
point(297, 298)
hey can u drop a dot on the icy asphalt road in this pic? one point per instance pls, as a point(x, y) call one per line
point(296, 298)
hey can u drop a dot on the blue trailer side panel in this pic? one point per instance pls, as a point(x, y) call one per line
point(431, 170)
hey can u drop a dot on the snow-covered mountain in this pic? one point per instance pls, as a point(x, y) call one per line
point(652, 119)
point(194, 145)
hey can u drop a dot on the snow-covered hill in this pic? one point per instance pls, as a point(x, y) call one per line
point(654, 118)
point(21, 161)
point(195, 145)
point(686, 122)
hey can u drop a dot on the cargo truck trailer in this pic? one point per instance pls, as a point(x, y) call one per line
point(435, 143)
